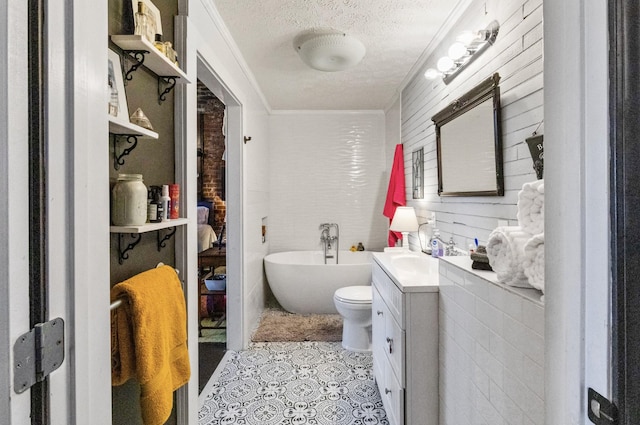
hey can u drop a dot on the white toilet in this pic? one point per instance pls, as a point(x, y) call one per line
point(354, 305)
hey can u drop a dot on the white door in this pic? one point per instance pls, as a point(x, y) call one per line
point(76, 205)
point(14, 253)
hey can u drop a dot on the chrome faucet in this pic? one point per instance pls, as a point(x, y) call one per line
point(327, 239)
point(451, 247)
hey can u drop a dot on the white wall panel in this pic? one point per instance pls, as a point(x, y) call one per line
point(327, 167)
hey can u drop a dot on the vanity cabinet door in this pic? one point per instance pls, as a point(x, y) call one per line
point(379, 312)
point(393, 398)
point(394, 347)
point(392, 296)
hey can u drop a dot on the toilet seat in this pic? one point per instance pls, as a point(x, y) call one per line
point(354, 295)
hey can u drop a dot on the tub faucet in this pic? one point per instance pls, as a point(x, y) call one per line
point(327, 239)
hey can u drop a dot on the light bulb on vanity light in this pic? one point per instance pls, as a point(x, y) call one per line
point(431, 74)
point(445, 63)
point(467, 37)
point(457, 50)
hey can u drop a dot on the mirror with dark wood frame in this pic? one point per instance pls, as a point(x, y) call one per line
point(469, 143)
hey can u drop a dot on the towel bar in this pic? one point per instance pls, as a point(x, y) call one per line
point(118, 303)
point(115, 304)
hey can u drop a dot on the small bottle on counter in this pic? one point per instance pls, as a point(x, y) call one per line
point(437, 246)
point(360, 247)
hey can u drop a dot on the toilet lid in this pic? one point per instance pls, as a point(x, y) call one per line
point(354, 294)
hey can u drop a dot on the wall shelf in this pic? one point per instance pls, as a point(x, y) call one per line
point(126, 128)
point(135, 233)
point(120, 129)
point(155, 61)
point(149, 227)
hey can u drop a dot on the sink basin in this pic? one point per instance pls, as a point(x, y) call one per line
point(408, 265)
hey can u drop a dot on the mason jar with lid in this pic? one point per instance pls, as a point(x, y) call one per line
point(129, 201)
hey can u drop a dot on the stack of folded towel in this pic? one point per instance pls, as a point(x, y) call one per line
point(480, 259)
point(516, 253)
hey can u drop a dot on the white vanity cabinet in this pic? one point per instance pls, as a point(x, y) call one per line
point(405, 340)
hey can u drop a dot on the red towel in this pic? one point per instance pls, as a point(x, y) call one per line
point(396, 196)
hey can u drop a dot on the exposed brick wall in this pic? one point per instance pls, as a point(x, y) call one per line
point(212, 176)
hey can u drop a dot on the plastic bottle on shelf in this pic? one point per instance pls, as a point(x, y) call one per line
point(165, 200)
point(174, 194)
point(155, 211)
point(152, 207)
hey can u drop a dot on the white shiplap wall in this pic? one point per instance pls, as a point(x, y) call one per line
point(326, 167)
point(517, 57)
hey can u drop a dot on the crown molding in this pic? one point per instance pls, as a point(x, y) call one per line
point(442, 32)
point(235, 50)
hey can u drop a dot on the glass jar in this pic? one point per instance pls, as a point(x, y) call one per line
point(129, 201)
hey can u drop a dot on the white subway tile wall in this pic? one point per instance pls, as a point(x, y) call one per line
point(491, 353)
point(327, 167)
point(517, 57)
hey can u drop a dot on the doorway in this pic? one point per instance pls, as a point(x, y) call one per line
point(230, 220)
point(211, 215)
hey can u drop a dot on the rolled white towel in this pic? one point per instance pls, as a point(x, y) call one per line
point(505, 249)
point(534, 261)
point(531, 207)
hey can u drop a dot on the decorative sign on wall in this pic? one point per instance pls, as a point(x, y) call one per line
point(418, 173)
point(537, 153)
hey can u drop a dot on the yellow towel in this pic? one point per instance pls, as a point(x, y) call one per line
point(149, 339)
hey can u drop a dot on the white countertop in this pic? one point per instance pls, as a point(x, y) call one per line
point(411, 272)
point(464, 263)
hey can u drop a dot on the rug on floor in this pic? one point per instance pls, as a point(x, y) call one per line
point(280, 326)
point(293, 383)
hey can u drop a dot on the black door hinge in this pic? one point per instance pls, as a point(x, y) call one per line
point(601, 411)
point(37, 353)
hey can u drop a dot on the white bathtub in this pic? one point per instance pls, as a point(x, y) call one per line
point(303, 284)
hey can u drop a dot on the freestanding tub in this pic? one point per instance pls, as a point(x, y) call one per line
point(303, 284)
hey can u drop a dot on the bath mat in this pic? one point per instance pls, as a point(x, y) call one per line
point(281, 326)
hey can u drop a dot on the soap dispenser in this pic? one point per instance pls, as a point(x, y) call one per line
point(437, 247)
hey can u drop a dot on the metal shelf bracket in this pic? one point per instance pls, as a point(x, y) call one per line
point(123, 254)
point(162, 240)
point(165, 85)
point(136, 59)
point(118, 159)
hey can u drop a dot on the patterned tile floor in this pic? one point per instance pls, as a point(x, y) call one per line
point(293, 383)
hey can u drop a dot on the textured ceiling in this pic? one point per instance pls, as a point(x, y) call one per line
point(395, 33)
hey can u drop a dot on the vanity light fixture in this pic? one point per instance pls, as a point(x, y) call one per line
point(404, 221)
point(464, 51)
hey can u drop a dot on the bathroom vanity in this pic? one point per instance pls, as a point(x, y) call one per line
point(405, 336)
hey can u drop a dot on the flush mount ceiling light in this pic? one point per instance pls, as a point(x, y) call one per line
point(328, 50)
point(465, 50)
